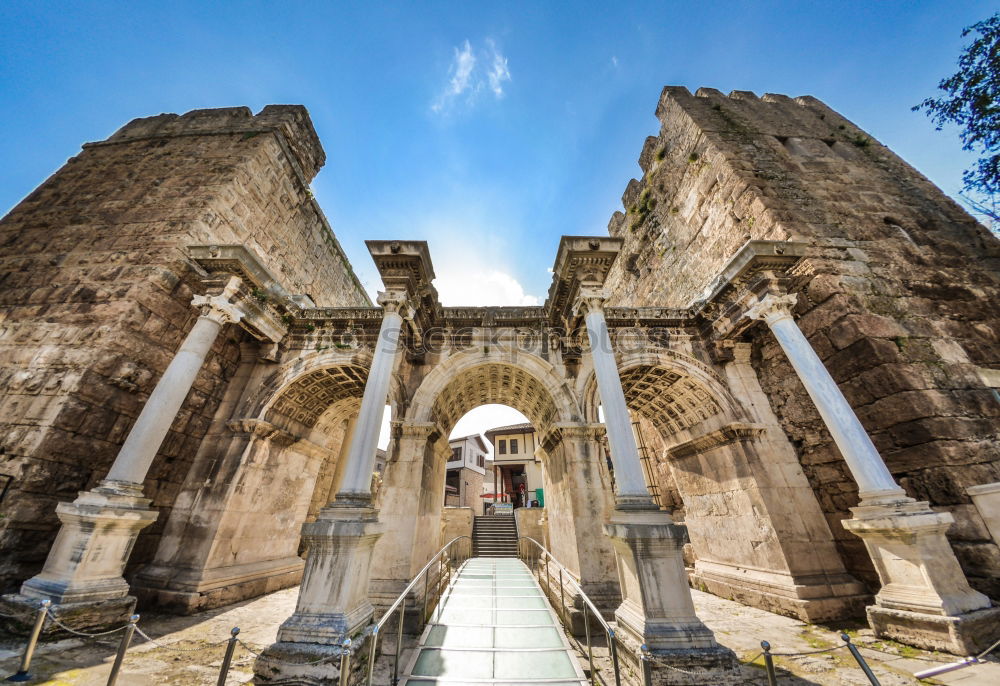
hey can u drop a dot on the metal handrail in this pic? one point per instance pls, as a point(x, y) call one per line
point(374, 629)
point(563, 570)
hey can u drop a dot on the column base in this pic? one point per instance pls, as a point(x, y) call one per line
point(714, 666)
point(188, 591)
point(281, 664)
point(925, 599)
point(815, 598)
point(333, 599)
point(88, 557)
point(964, 634)
point(87, 616)
point(657, 609)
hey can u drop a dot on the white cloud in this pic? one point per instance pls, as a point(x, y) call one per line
point(476, 285)
point(468, 75)
point(499, 71)
point(614, 61)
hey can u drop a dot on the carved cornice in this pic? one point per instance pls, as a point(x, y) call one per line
point(579, 260)
point(758, 267)
point(265, 305)
point(732, 433)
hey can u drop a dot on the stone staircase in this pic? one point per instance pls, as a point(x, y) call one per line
point(494, 536)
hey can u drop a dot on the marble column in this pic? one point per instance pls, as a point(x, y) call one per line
point(333, 601)
point(99, 528)
point(657, 609)
point(925, 599)
point(630, 485)
point(341, 465)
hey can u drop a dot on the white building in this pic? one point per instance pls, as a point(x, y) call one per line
point(466, 472)
point(516, 476)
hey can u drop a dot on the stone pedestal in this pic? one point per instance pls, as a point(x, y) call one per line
point(333, 600)
point(925, 599)
point(83, 573)
point(657, 609)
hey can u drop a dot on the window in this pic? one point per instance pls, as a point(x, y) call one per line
point(502, 447)
point(513, 446)
point(480, 460)
point(456, 454)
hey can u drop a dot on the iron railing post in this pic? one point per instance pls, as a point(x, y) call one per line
point(772, 680)
point(122, 647)
point(590, 648)
point(371, 655)
point(423, 615)
point(29, 650)
point(227, 660)
point(562, 597)
point(644, 658)
point(860, 660)
point(613, 648)
point(345, 662)
point(399, 643)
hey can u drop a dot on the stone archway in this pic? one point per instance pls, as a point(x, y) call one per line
point(269, 463)
point(410, 501)
point(756, 528)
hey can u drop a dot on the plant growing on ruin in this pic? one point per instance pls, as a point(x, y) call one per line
point(971, 102)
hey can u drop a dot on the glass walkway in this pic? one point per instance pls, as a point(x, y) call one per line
point(493, 626)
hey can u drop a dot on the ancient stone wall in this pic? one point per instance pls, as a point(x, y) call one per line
point(95, 291)
point(899, 295)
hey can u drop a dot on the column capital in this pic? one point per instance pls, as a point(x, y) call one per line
point(220, 308)
point(772, 308)
point(590, 299)
point(395, 301)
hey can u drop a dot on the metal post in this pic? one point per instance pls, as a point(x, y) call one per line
point(122, 647)
point(228, 659)
point(772, 680)
point(29, 649)
point(644, 658)
point(399, 643)
point(613, 647)
point(548, 579)
point(590, 649)
point(423, 617)
point(860, 660)
point(371, 655)
point(562, 598)
point(345, 662)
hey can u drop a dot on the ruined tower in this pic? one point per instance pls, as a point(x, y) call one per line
point(96, 285)
point(899, 293)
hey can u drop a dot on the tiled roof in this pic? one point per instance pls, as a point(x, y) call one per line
point(511, 428)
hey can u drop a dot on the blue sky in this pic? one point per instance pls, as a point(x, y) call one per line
point(488, 129)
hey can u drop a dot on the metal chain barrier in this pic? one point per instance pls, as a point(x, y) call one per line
point(325, 658)
point(85, 634)
point(178, 650)
point(772, 678)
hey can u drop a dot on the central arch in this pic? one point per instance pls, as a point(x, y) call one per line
point(577, 490)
